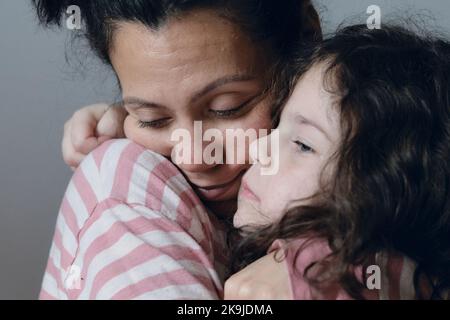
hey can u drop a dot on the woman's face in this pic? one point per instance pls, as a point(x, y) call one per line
point(309, 134)
point(198, 67)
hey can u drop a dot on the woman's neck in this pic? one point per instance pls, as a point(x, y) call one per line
point(224, 210)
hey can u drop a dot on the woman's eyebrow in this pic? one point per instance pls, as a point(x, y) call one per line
point(140, 103)
point(220, 82)
point(305, 121)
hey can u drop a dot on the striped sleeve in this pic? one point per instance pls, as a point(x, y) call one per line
point(131, 227)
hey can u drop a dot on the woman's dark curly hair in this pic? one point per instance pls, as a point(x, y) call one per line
point(390, 191)
point(277, 27)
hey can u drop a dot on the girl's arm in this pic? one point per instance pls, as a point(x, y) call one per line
point(265, 279)
point(280, 275)
point(131, 227)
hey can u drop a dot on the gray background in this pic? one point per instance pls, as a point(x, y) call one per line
point(39, 91)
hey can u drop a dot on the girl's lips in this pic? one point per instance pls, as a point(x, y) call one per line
point(213, 192)
point(247, 193)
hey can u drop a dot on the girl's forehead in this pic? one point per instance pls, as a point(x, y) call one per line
point(308, 97)
point(311, 101)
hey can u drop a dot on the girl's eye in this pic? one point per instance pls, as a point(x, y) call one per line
point(303, 147)
point(156, 124)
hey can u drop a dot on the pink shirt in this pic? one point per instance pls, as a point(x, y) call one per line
point(396, 273)
point(131, 227)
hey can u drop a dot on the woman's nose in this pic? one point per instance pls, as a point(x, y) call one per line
point(188, 150)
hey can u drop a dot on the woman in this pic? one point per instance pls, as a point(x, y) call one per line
point(176, 62)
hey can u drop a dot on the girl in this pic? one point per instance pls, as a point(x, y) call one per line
point(131, 224)
point(364, 180)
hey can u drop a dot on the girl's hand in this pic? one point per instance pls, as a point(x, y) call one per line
point(88, 128)
point(264, 279)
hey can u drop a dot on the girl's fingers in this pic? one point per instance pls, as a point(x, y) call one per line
point(83, 128)
point(111, 123)
point(71, 157)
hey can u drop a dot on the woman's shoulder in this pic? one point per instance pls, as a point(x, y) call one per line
point(124, 170)
point(117, 156)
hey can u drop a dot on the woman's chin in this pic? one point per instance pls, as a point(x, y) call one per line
point(226, 193)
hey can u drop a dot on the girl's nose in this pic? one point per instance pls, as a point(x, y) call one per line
point(265, 150)
point(261, 149)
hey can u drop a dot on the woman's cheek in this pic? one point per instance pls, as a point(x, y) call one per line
point(260, 116)
point(259, 121)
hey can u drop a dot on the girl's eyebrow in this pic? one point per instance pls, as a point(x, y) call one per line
point(305, 121)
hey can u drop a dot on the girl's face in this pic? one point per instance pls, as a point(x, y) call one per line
point(309, 133)
point(198, 67)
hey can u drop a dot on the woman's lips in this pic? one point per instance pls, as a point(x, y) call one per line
point(247, 193)
point(214, 192)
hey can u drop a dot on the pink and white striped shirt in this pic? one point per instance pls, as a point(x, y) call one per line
point(131, 227)
point(396, 277)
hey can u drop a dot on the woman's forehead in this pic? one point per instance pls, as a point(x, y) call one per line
point(174, 53)
point(199, 36)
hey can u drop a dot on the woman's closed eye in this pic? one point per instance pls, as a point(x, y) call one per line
point(234, 111)
point(228, 113)
point(155, 124)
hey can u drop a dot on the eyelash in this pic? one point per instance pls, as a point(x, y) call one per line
point(232, 112)
point(157, 124)
point(153, 124)
point(303, 146)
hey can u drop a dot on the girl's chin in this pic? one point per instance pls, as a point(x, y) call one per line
point(239, 219)
point(248, 216)
point(242, 214)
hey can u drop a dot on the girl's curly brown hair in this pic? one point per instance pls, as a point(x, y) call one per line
point(390, 191)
